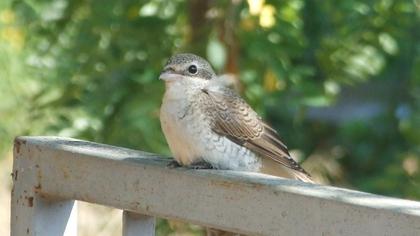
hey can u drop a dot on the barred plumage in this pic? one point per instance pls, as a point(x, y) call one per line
point(204, 120)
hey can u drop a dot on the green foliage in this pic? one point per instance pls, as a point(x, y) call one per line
point(89, 69)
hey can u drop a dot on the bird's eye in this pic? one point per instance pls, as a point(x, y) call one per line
point(192, 69)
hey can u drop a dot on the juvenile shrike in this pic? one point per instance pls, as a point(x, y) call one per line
point(208, 125)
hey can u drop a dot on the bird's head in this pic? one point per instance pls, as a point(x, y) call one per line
point(187, 66)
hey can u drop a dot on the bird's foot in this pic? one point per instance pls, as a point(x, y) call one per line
point(173, 164)
point(201, 165)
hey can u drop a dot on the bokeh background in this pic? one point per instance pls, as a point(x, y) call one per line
point(339, 80)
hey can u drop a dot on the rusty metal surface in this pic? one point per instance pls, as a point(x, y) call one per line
point(62, 169)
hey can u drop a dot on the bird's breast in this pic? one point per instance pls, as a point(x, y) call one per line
point(187, 129)
point(181, 126)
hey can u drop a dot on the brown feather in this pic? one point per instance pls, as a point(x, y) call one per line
point(236, 120)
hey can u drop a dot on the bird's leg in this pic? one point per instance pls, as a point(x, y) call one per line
point(173, 164)
point(201, 165)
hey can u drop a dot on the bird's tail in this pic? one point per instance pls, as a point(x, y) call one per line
point(271, 167)
point(302, 176)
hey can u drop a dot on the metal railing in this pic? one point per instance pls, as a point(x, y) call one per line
point(50, 173)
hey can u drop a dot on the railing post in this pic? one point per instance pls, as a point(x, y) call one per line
point(138, 225)
point(31, 213)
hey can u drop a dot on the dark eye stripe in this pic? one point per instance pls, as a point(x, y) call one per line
point(202, 70)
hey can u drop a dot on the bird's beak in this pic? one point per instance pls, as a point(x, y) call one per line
point(169, 74)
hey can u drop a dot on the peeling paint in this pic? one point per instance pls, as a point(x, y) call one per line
point(30, 201)
point(37, 188)
point(17, 146)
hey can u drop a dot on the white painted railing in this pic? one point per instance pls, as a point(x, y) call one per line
point(49, 173)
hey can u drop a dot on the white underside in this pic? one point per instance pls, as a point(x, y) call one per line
point(189, 135)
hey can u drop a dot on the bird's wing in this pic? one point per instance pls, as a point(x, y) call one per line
point(233, 118)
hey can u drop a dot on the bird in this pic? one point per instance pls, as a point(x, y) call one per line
point(208, 125)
